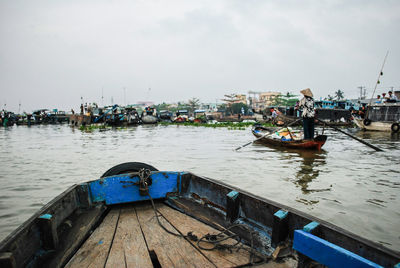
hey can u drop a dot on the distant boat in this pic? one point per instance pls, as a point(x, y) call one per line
point(181, 116)
point(381, 117)
point(200, 116)
point(165, 115)
point(149, 119)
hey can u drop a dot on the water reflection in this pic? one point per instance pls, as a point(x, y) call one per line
point(378, 135)
point(311, 163)
point(309, 170)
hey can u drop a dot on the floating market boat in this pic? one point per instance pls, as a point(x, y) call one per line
point(165, 116)
point(149, 119)
point(200, 116)
point(381, 117)
point(287, 138)
point(181, 116)
point(136, 216)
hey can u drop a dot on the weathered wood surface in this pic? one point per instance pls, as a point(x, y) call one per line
point(185, 224)
point(94, 251)
point(128, 234)
point(171, 251)
point(129, 247)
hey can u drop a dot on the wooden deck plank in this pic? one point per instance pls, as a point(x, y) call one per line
point(185, 224)
point(171, 251)
point(129, 248)
point(94, 251)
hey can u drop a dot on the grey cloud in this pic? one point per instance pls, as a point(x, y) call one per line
point(52, 53)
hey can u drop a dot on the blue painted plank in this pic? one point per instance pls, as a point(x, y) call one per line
point(46, 216)
point(281, 214)
point(310, 227)
point(327, 253)
point(233, 195)
point(121, 189)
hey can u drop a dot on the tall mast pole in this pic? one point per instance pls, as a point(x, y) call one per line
point(377, 82)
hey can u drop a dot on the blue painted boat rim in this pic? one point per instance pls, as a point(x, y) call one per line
point(327, 253)
point(281, 214)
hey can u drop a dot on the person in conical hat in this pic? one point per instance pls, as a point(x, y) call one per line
point(308, 114)
point(307, 92)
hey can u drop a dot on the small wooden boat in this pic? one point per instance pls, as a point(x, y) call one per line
point(165, 116)
point(180, 119)
point(264, 136)
point(136, 216)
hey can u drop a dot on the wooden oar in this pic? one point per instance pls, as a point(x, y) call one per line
point(244, 145)
point(357, 139)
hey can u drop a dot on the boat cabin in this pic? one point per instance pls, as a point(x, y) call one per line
point(199, 113)
point(165, 115)
point(182, 113)
point(384, 112)
point(343, 104)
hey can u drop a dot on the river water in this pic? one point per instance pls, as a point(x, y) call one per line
point(347, 183)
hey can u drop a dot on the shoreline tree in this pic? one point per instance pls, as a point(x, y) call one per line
point(339, 95)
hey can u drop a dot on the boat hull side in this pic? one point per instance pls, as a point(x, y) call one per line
point(260, 213)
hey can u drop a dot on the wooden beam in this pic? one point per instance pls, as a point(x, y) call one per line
point(327, 253)
point(280, 227)
point(48, 231)
point(83, 195)
point(232, 206)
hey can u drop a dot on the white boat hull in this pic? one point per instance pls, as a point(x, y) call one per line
point(149, 119)
point(374, 126)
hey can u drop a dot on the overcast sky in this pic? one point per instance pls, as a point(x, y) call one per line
point(52, 53)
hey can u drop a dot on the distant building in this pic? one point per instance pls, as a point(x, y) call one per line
point(210, 106)
point(261, 100)
point(143, 104)
point(235, 98)
point(241, 99)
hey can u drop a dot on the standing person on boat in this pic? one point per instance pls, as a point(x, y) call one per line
point(307, 104)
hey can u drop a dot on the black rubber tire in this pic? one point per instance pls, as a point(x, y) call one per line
point(395, 127)
point(126, 168)
point(367, 122)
